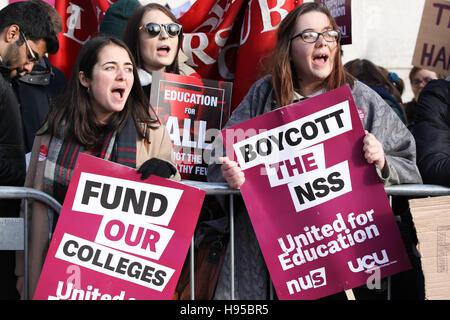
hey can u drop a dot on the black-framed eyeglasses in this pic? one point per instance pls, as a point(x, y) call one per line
point(33, 58)
point(154, 29)
point(313, 36)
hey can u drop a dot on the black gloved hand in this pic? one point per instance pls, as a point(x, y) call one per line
point(157, 167)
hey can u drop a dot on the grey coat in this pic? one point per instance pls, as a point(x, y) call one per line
point(398, 143)
point(399, 147)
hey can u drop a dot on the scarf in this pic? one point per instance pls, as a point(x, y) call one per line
point(62, 157)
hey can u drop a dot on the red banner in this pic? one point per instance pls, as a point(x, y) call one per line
point(80, 19)
point(224, 39)
point(231, 40)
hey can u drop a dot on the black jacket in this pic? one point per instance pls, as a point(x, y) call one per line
point(12, 157)
point(432, 132)
point(35, 92)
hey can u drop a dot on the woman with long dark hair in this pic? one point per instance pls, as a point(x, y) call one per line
point(154, 37)
point(104, 113)
point(307, 62)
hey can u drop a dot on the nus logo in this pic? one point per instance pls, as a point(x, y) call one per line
point(369, 261)
point(316, 278)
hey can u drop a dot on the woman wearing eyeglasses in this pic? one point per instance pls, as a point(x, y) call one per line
point(154, 36)
point(418, 78)
point(307, 62)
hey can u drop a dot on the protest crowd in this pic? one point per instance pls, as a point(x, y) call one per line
point(61, 98)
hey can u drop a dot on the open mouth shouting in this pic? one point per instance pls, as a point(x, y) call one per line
point(163, 50)
point(320, 58)
point(118, 93)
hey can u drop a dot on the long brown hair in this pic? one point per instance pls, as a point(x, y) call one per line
point(372, 75)
point(283, 72)
point(130, 36)
point(74, 108)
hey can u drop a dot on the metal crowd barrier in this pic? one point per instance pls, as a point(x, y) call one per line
point(9, 227)
point(412, 190)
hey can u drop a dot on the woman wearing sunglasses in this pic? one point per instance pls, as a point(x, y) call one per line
point(307, 62)
point(154, 36)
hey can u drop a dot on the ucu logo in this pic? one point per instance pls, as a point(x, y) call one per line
point(368, 261)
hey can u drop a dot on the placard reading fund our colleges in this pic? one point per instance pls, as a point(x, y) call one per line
point(319, 210)
point(118, 237)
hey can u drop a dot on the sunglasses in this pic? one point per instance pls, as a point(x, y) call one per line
point(32, 58)
point(154, 29)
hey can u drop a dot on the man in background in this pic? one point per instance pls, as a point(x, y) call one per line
point(36, 90)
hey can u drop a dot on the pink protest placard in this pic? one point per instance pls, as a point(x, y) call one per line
point(119, 237)
point(319, 210)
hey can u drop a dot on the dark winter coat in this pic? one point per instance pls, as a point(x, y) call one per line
point(432, 132)
point(12, 157)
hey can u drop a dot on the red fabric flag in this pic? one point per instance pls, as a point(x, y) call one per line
point(227, 40)
point(80, 19)
point(232, 40)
